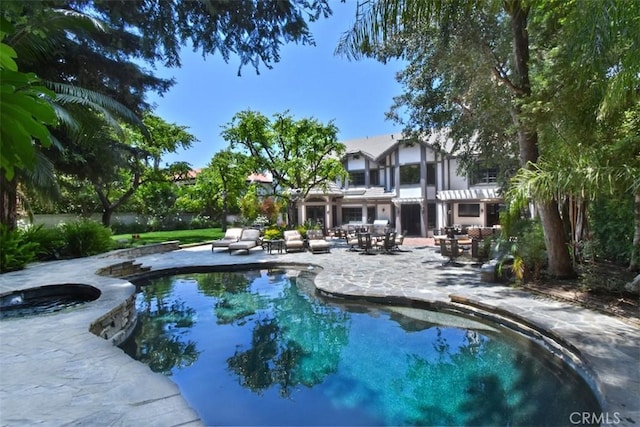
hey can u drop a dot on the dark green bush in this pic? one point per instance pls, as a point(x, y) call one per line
point(50, 241)
point(86, 238)
point(15, 250)
point(612, 223)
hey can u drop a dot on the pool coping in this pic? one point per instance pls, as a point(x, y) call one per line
point(97, 383)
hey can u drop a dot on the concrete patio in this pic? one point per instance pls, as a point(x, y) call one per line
point(55, 372)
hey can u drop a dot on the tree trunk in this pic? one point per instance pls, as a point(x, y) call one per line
point(635, 250)
point(558, 254)
point(106, 217)
point(559, 258)
point(8, 201)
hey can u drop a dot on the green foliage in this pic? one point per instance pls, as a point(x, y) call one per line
point(15, 249)
point(612, 226)
point(299, 154)
point(250, 205)
point(24, 111)
point(86, 238)
point(531, 249)
point(274, 232)
point(51, 241)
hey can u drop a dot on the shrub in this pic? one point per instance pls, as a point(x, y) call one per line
point(50, 241)
point(15, 250)
point(274, 232)
point(85, 238)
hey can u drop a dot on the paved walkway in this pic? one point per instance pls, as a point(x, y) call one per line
point(53, 371)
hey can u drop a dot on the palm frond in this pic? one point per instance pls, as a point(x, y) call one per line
point(111, 109)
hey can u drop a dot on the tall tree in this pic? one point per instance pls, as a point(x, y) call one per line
point(90, 44)
point(510, 25)
point(221, 184)
point(300, 154)
point(116, 166)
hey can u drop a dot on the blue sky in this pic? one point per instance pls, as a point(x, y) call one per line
point(309, 81)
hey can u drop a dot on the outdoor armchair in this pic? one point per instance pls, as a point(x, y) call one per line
point(293, 241)
point(232, 235)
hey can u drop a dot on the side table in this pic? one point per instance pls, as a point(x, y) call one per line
point(274, 244)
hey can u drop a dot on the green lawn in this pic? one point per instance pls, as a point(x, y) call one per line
point(183, 236)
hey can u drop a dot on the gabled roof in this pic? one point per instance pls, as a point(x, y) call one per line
point(376, 147)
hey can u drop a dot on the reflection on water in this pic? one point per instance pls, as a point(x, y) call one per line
point(261, 348)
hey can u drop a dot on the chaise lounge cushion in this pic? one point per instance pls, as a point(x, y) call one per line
point(230, 236)
point(317, 242)
point(293, 241)
point(249, 239)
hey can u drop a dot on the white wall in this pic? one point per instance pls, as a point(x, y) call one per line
point(409, 154)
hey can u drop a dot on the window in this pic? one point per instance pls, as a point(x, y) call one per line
point(485, 176)
point(351, 215)
point(374, 177)
point(356, 178)
point(469, 209)
point(431, 174)
point(410, 174)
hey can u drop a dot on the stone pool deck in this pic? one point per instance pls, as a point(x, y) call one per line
point(53, 371)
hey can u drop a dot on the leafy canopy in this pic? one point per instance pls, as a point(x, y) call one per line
point(299, 154)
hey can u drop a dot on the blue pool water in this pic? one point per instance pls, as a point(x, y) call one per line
point(261, 348)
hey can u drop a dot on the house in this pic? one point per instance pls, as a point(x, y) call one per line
point(413, 184)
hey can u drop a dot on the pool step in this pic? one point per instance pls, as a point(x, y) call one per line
point(123, 269)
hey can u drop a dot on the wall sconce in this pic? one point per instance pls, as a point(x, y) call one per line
point(382, 209)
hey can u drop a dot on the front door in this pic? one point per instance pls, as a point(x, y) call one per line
point(410, 217)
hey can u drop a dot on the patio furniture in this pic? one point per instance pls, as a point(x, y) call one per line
point(232, 235)
point(365, 243)
point(317, 242)
point(352, 241)
point(399, 240)
point(249, 239)
point(387, 243)
point(449, 248)
point(293, 241)
point(271, 245)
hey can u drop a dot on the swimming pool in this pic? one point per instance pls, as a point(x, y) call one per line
point(260, 347)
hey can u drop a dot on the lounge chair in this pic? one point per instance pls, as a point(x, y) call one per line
point(249, 239)
point(232, 235)
point(293, 241)
point(317, 242)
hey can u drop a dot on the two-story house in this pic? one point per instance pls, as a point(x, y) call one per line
point(409, 183)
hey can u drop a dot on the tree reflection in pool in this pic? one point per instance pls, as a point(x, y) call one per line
point(261, 348)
